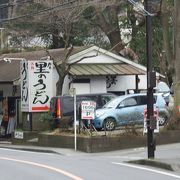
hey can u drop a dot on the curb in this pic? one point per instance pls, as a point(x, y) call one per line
point(28, 149)
point(153, 163)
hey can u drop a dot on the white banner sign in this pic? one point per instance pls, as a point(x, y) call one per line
point(24, 86)
point(88, 109)
point(39, 85)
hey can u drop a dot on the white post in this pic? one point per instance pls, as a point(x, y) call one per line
point(2, 44)
point(75, 131)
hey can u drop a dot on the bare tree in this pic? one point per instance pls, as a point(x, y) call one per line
point(62, 24)
point(166, 53)
point(63, 66)
point(55, 24)
point(177, 54)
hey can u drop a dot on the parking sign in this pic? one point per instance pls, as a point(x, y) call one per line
point(88, 109)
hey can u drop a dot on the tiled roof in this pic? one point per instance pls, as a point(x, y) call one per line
point(105, 69)
point(35, 55)
point(10, 71)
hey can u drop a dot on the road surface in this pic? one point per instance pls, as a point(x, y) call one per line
point(25, 165)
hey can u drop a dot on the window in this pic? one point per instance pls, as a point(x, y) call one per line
point(142, 100)
point(129, 102)
point(67, 105)
point(106, 98)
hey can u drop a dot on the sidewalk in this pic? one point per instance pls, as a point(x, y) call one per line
point(63, 151)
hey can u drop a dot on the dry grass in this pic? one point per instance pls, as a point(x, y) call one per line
point(174, 121)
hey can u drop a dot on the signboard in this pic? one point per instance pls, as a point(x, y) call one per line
point(18, 135)
point(155, 130)
point(88, 109)
point(154, 124)
point(24, 86)
point(36, 85)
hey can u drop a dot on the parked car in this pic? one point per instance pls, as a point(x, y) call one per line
point(128, 109)
point(62, 107)
point(164, 89)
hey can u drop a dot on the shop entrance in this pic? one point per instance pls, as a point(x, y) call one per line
point(8, 116)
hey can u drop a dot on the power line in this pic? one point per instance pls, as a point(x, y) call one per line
point(47, 9)
point(136, 4)
point(40, 12)
point(6, 5)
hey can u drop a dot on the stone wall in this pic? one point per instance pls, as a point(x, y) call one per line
point(99, 143)
point(105, 143)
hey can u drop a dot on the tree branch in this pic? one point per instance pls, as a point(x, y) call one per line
point(83, 58)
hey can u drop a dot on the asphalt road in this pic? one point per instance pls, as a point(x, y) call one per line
point(24, 165)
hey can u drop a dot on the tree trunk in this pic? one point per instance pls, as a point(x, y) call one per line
point(166, 51)
point(57, 42)
point(177, 54)
point(62, 70)
point(110, 27)
point(59, 86)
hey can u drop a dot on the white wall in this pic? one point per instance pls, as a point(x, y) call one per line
point(66, 84)
point(128, 82)
point(143, 82)
point(55, 78)
point(81, 88)
point(123, 83)
point(98, 84)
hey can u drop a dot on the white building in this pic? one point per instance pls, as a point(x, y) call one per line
point(93, 70)
point(96, 70)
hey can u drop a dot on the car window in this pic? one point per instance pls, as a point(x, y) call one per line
point(142, 100)
point(106, 99)
point(160, 101)
point(128, 102)
point(113, 103)
point(67, 105)
point(154, 99)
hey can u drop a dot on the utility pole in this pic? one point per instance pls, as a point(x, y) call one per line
point(151, 83)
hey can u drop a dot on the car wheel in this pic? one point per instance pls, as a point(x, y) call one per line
point(109, 124)
point(162, 119)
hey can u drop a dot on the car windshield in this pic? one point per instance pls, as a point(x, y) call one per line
point(113, 103)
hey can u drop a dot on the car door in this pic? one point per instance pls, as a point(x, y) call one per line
point(126, 111)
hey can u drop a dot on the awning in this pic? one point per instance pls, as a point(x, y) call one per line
point(105, 69)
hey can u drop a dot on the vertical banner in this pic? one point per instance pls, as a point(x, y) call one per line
point(39, 86)
point(24, 86)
